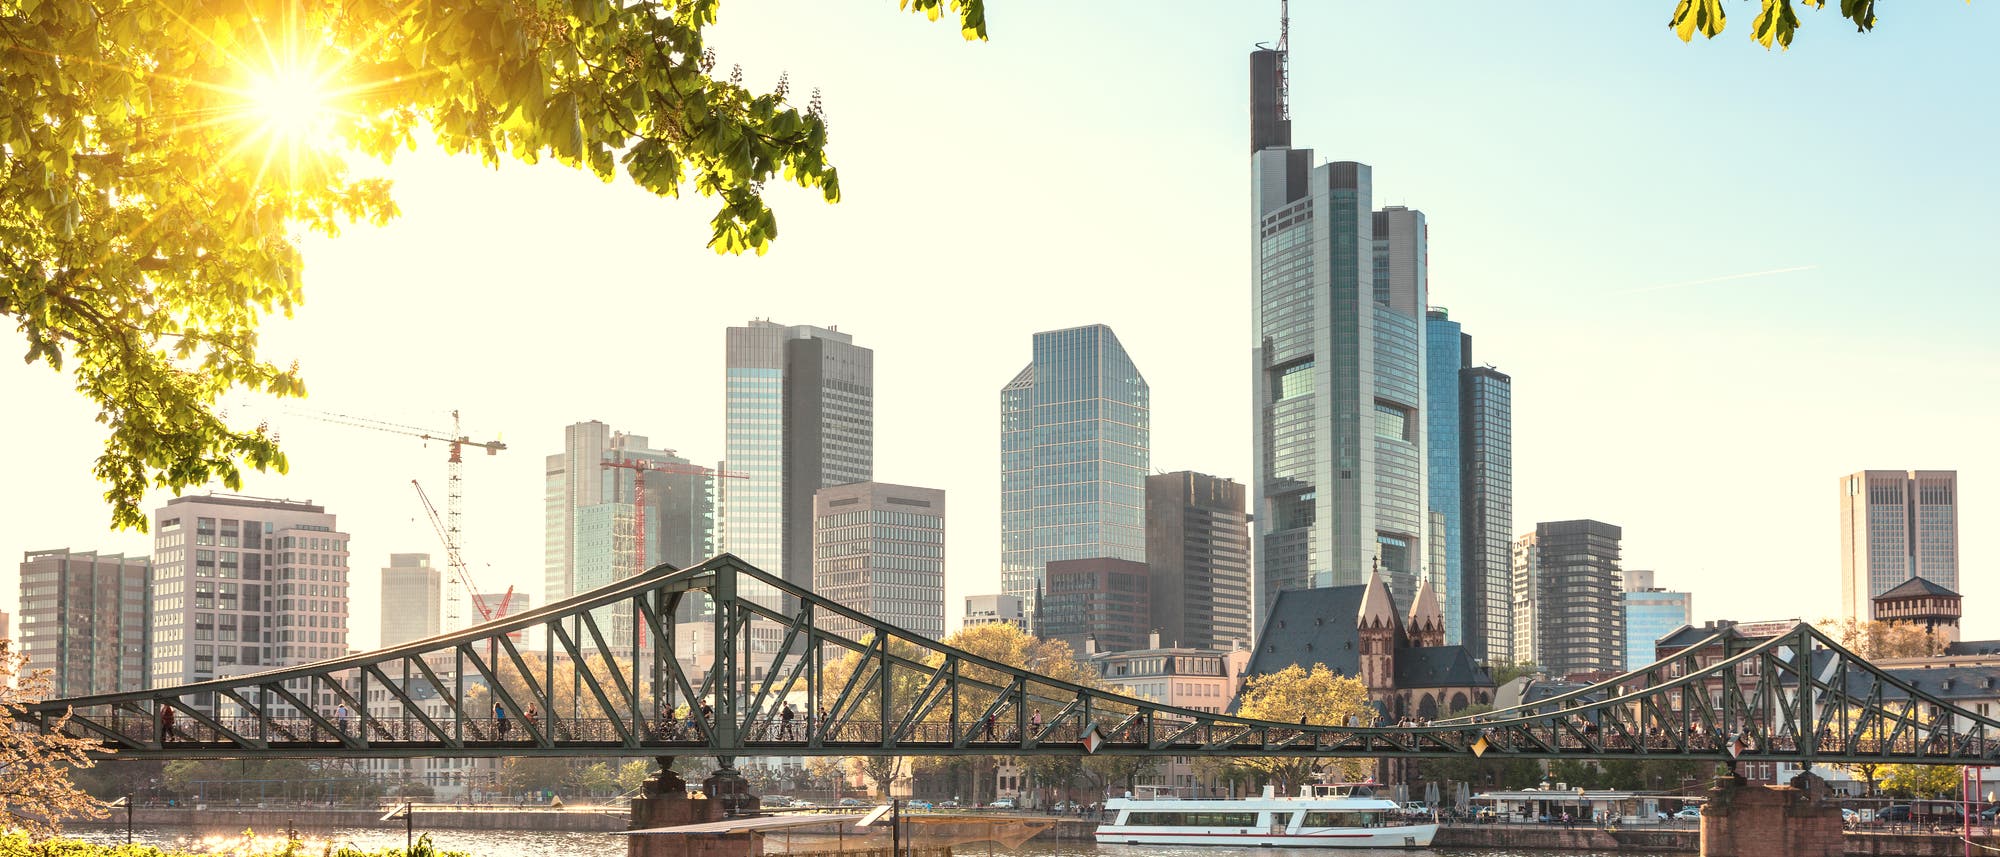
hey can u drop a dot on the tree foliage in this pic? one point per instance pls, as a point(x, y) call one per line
point(36, 793)
point(1776, 23)
point(1875, 639)
point(158, 159)
point(1919, 781)
point(1318, 697)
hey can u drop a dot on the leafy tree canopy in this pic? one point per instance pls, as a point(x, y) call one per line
point(158, 159)
point(1776, 23)
point(1919, 781)
point(1318, 697)
point(1875, 639)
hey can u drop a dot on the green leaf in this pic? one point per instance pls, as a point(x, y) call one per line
point(1692, 15)
point(1776, 23)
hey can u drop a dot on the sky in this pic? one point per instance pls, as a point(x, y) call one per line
point(1720, 277)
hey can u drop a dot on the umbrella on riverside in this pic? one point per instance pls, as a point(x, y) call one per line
point(1431, 796)
point(1464, 800)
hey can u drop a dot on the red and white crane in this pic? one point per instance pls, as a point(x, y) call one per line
point(449, 530)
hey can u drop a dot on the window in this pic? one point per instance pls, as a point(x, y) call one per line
point(1193, 819)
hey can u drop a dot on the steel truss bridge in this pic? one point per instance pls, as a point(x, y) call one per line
point(614, 676)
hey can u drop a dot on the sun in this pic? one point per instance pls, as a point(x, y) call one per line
point(293, 103)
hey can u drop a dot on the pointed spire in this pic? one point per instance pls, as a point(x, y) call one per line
point(1425, 610)
point(1377, 608)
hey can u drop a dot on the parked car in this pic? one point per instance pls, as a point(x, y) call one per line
point(775, 800)
point(1003, 803)
point(950, 804)
point(1691, 812)
point(1417, 807)
point(848, 801)
point(1987, 815)
point(920, 804)
point(1893, 815)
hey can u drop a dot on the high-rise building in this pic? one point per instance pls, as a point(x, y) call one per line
point(879, 548)
point(1486, 479)
point(590, 506)
point(1445, 347)
point(1074, 451)
point(1651, 613)
point(1568, 615)
point(801, 417)
point(1895, 525)
point(1198, 552)
point(1096, 604)
point(412, 599)
point(995, 609)
point(246, 583)
point(1338, 350)
point(87, 617)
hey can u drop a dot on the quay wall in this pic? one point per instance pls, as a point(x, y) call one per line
point(238, 819)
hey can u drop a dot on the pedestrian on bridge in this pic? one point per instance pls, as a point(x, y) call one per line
point(166, 723)
point(785, 726)
point(340, 717)
point(500, 719)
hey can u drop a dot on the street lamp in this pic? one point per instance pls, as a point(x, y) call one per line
point(125, 802)
point(406, 812)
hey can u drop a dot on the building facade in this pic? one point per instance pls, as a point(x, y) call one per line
point(1568, 611)
point(1198, 552)
point(1098, 604)
point(1919, 601)
point(87, 618)
point(800, 404)
point(591, 498)
point(879, 548)
point(1197, 679)
point(242, 584)
point(1338, 350)
point(995, 609)
point(1895, 525)
point(1471, 464)
point(412, 599)
point(1074, 451)
point(1486, 408)
point(1651, 613)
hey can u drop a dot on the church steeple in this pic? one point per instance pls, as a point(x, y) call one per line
point(1426, 624)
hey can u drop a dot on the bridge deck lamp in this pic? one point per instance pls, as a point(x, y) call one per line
point(125, 802)
point(408, 813)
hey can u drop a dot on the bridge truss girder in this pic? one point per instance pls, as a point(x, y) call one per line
point(626, 690)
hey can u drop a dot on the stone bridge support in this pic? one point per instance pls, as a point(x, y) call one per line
point(1795, 820)
point(665, 803)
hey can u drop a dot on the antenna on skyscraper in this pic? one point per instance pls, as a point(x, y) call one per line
point(1284, 59)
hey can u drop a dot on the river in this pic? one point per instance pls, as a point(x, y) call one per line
point(480, 843)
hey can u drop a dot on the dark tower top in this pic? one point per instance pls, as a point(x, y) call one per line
point(1268, 126)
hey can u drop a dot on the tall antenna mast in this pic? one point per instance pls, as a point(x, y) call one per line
point(1284, 59)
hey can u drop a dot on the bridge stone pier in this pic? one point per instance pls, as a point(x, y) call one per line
point(1795, 820)
point(664, 802)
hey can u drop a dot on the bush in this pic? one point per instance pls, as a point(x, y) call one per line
point(17, 844)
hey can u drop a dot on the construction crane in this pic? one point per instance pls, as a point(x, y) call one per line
point(454, 538)
point(457, 562)
point(639, 467)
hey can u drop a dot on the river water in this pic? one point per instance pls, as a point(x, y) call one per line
point(484, 843)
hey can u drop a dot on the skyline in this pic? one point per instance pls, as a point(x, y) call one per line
point(1676, 374)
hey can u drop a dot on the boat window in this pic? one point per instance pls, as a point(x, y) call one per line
point(1192, 819)
point(1340, 819)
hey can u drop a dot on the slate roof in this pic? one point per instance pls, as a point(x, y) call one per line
point(1439, 666)
point(1974, 647)
point(1309, 626)
point(1917, 587)
point(1688, 635)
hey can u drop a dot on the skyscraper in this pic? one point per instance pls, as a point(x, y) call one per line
point(1074, 451)
point(879, 548)
point(1095, 604)
point(1651, 613)
point(412, 598)
point(590, 504)
point(1198, 554)
point(1895, 525)
point(87, 617)
point(1486, 479)
point(801, 416)
point(1568, 615)
point(1445, 347)
point(1338, 350)
point(243, 583)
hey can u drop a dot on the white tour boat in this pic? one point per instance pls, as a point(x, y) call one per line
point(1323, 815)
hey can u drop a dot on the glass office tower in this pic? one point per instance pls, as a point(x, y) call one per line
point(1338, 313)
point(1445, 354)
point(1074, 453)
point(1486, 478)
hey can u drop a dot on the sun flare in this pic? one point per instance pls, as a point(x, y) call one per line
point(292, 103)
